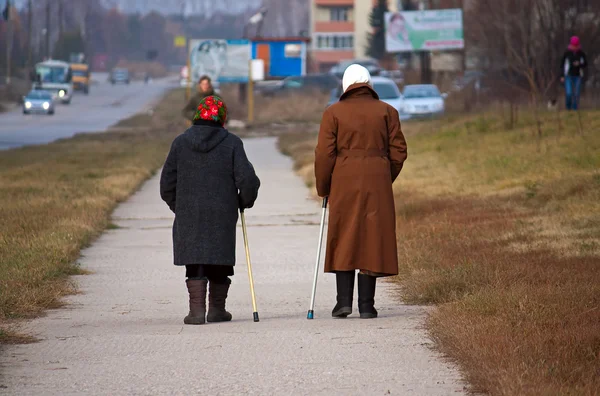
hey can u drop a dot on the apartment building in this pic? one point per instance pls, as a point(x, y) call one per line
point(339, 28)
point(338, 31)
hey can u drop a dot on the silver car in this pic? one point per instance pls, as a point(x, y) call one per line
point(38, 101)
point(422, 101)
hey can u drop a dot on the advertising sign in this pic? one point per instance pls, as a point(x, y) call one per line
point(222, 60)
point(431, 30)
point(179, 41)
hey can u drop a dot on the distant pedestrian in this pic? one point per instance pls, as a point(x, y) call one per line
point(572, 67)
point(203, 89)
point(360, 152)
point(206, 179)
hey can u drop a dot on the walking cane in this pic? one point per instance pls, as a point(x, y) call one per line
point(255, 311)
point(311, 311)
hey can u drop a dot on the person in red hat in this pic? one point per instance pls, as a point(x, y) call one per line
point(571, 71)
point(207, 178)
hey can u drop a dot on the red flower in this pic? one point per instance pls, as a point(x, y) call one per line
point(220, 103)
point(205, 114)
point(214, 110)
point(209, 101)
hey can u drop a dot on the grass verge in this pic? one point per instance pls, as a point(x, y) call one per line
point(55, 199)
point(295, 108)
point(501, 230)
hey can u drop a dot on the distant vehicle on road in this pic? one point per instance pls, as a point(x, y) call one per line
point(55, 77)
point(119, 75)
point(422, 101)
point(81, 77)
point(38, 101)
point(301, 84)
point(370, 64)
point(386, 89)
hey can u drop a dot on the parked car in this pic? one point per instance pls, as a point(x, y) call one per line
point(297, 84)
point(38, 101)
point(422, 101)
point(386, 89)
point(119, 76)
point(395, 75)
point(370, 64)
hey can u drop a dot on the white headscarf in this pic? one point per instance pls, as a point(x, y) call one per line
point(355, 74)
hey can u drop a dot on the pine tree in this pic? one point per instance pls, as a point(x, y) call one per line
point(376, 46)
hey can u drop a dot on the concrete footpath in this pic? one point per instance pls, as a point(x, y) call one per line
point(124, 333)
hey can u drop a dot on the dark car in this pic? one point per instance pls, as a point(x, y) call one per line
point(119, 76)
point(304, 84)
point(371, 65)
point(467, 78)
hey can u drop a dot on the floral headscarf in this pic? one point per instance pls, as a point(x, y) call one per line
point(212, 108)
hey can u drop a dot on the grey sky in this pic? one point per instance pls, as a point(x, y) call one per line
point(207, 7)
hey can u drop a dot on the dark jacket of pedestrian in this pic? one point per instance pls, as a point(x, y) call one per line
point(203, 90)
point(189, 111)
point(574, 60)
point(206, 179)
point(360, 152)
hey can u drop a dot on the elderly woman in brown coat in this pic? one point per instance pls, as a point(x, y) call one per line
point(360, 152)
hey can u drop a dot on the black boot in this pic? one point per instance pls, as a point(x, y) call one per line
point(197, 291)
point(217, 294)
point(345, 289)
point(366, 296)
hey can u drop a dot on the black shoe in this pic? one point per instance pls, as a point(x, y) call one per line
point(345, 289)
point(217, 294)
point(366, 296)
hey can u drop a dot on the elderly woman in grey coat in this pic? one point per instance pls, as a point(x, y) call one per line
point(206, 179)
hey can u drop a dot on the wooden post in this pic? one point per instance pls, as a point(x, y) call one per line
point(250, 94)
point(188, 87)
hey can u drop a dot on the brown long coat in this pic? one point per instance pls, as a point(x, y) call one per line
point(360, 152)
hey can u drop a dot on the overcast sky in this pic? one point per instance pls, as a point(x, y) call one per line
point(207, 7)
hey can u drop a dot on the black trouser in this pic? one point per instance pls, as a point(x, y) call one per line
point(214, 273)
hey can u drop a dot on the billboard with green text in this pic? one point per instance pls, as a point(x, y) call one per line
point(431, 30)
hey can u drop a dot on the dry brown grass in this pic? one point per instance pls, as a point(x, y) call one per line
point(55, 199)
point(300, 108)
point(501, 230)
point(139, 69)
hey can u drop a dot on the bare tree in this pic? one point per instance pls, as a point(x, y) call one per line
point(524, 41)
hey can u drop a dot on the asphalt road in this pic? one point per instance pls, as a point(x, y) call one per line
point(104, 106)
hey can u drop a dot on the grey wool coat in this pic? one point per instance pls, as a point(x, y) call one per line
point(206, 179)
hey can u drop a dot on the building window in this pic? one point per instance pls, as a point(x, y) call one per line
point(339, 13)
point(293, 50)
point(335, 41)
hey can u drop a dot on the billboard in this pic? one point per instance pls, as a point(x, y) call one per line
point(222, 60)
point(431, 30)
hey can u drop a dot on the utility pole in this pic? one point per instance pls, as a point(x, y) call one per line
point(425, 55)
point(60, 19)
point(9, 40)
point(48, 29)
point(29, 32)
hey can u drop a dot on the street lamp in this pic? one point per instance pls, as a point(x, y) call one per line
point(256, 19)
